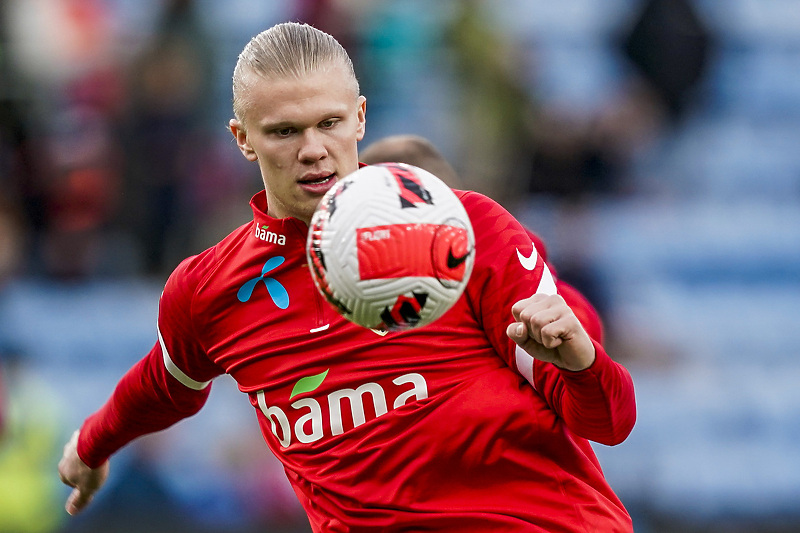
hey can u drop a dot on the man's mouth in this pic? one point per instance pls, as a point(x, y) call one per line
point(318, 184)
point(317, 180)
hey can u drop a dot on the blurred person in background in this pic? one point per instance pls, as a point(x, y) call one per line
point(63, 54)
point(497, 112)
point(444, 454)
point(104, 196)
point(11, 259)
point(166, 131)
point(421, 152)
point(21, 170)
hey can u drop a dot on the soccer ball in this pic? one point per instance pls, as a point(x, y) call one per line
point(391, 247)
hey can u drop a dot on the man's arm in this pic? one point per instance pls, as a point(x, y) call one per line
point(593, 394)
point(147, 399)
point(170, 383)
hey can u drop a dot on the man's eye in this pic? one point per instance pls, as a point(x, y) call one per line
point(284, 132)
point(327, 123)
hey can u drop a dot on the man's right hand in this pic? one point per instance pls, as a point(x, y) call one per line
point(75, 473)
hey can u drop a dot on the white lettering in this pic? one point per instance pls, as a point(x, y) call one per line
point(270, 236)
point(418, 392)
point(309, 425)
point(312, 418)
point(356, 405)
point(276, 414)
point(377, 235)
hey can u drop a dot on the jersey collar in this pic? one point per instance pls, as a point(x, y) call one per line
point(258, 203)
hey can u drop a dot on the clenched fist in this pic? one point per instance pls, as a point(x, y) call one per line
point(547, 329)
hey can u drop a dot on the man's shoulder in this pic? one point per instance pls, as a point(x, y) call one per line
point(478, 204)
point(196, 268)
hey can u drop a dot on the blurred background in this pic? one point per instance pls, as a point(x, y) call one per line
point(653, 144)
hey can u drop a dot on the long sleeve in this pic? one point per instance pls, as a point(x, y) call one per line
point(170, 383)
point(147, 399)
point(597, 403)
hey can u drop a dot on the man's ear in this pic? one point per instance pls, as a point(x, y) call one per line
point(362, 117)
point(240, 134)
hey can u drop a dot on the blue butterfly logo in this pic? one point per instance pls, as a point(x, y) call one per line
point(276, 291)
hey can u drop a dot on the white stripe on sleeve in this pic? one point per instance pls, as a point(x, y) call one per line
point(524, 362)
point(547, 284)
point(176, 372)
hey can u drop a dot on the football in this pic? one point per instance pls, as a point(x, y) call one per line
point(391, 247)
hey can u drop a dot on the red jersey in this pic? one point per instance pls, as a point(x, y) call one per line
point(449, 427)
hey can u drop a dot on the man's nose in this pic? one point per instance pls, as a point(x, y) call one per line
point(313, 146)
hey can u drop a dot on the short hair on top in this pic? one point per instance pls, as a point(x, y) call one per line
point(288, 49)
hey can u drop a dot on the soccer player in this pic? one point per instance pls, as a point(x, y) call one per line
point(478, 422)
point(421, 152)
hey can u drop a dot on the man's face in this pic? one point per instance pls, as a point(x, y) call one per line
point(304, 133)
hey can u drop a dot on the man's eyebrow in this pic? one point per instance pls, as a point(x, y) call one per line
point(329, 115)
point(277, 125)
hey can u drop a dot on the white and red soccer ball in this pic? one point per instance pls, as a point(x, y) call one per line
point(391, 247)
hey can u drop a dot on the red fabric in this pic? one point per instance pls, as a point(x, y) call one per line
point(429, 429)
point(583, 309)
point(136, 408)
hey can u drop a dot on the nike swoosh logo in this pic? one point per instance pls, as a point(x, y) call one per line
point(453, 261)
point(528, 263)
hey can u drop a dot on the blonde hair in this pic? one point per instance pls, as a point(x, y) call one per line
point(284, 50)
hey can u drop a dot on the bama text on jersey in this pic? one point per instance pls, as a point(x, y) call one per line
point(304, 419)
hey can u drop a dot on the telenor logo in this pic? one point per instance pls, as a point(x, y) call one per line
point(276, 291)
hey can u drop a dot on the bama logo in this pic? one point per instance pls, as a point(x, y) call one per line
point(270, 236)
point(304, 421)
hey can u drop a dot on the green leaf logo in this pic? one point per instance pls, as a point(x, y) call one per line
point(308, 384)
point(265, 226)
